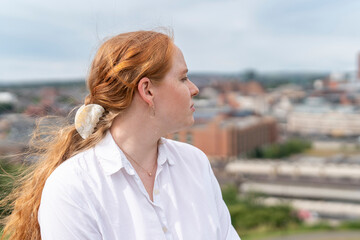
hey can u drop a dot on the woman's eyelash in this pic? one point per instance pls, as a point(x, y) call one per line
point(185, 78)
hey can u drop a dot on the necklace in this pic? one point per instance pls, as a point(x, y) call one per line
point(150, 173)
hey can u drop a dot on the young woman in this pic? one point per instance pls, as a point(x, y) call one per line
point(112, 175)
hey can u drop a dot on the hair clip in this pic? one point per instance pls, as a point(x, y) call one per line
point(86, 119)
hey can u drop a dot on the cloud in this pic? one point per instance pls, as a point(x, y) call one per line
point(28, 70)
point(218, 36)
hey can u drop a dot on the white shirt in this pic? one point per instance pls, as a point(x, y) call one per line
point(97, 194)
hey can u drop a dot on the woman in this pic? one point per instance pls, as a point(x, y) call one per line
point(111, 175)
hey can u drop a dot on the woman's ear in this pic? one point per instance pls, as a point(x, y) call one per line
point(146, 90)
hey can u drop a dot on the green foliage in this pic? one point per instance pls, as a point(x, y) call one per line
point(6, 107)
point(248, 214)
point(8, 173)
point(229, 194)
point(322, 225)
point(350, 225)
point(251, 218)
point(281, 150)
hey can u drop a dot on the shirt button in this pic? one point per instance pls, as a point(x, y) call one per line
point(165, 229)
point(156, 191)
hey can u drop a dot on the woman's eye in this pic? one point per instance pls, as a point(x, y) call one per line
point(184, 79)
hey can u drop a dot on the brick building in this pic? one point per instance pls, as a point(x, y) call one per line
point(227, 137)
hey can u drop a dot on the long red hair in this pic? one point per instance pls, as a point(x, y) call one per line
point(119, 64)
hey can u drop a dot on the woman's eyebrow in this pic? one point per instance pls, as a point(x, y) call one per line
point(184, 71)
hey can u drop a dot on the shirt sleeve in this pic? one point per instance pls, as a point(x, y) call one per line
point(64, 212)
point(227, 230)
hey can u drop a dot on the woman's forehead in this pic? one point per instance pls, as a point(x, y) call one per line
point(179, 64)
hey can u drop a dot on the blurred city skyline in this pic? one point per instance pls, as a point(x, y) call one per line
point(56, 40)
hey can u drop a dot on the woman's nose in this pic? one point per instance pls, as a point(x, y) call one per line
point(194, 90)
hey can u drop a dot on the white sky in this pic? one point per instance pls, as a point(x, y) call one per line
point(48, 39)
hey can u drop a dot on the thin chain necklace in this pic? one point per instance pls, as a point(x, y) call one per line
point(150, 173)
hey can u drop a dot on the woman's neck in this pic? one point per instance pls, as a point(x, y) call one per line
point(137, 136)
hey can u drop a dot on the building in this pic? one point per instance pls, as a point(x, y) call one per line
point(325, 187)
point(229, 137)
point(321, 118)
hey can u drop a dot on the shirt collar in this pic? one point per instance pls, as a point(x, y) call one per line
point(163, 156)
point(112, 159)
point(109, 154)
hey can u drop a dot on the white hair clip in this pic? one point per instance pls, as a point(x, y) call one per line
point(86, 119)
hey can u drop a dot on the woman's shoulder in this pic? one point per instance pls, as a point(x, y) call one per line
point(73, 171)
point(66, 190)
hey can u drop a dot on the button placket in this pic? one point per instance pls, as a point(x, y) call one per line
point(156, 197)
point(161, 214)
point(156, 191)
point(158, 205)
